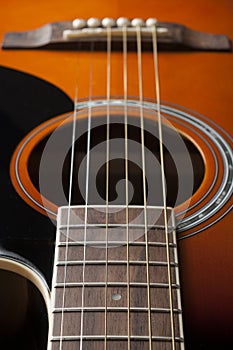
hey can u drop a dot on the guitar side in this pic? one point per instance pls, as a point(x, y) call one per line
point(25, 301)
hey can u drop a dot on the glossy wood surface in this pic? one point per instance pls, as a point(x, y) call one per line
point(209, 74)
point(200, 81)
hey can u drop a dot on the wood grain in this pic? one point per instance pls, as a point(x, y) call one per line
point(86, 283)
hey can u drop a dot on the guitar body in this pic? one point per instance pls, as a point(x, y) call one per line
point(38, 85)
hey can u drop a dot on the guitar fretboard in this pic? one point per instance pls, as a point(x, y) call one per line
point(111, 286)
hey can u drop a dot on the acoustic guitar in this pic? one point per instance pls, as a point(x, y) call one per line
point(116, 175)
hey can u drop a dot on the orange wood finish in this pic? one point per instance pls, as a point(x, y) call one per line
point(200, 81)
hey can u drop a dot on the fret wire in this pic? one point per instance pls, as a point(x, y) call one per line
point(139, 53)
point(107, 169)
point(109, 308)
point(124, 36)
point(117, 337)
point(90, 206)
point(152, 244)
point(117, 284)
point(134, 206)
point(115, 262)
point(97, 225)
point(157, 86)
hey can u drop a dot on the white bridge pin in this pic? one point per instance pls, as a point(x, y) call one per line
point(137, 22)
point(79, 23)
point(108, 22)
point(93, 22)
point(151, 22)
point(122, 22)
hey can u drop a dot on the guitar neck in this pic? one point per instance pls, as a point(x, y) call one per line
point(116, 282)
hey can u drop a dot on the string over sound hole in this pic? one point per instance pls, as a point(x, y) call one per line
point(57, 164)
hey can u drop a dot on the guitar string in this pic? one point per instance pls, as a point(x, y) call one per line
point(157, 87)
point(125, 81)
point(86, 191)
point(139, 56)
point(107, 178)
point(68, 213)
point(108, 77)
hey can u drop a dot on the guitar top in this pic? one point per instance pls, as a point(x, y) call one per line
point(56, 71)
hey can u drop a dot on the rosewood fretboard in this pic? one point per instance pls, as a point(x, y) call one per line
point(113, 293)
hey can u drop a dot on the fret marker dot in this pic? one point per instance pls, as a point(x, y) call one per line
point(116, 296)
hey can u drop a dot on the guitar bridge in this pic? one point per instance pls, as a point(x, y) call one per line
point(67, 35)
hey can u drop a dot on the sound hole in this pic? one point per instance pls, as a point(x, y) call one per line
point(176, 176)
